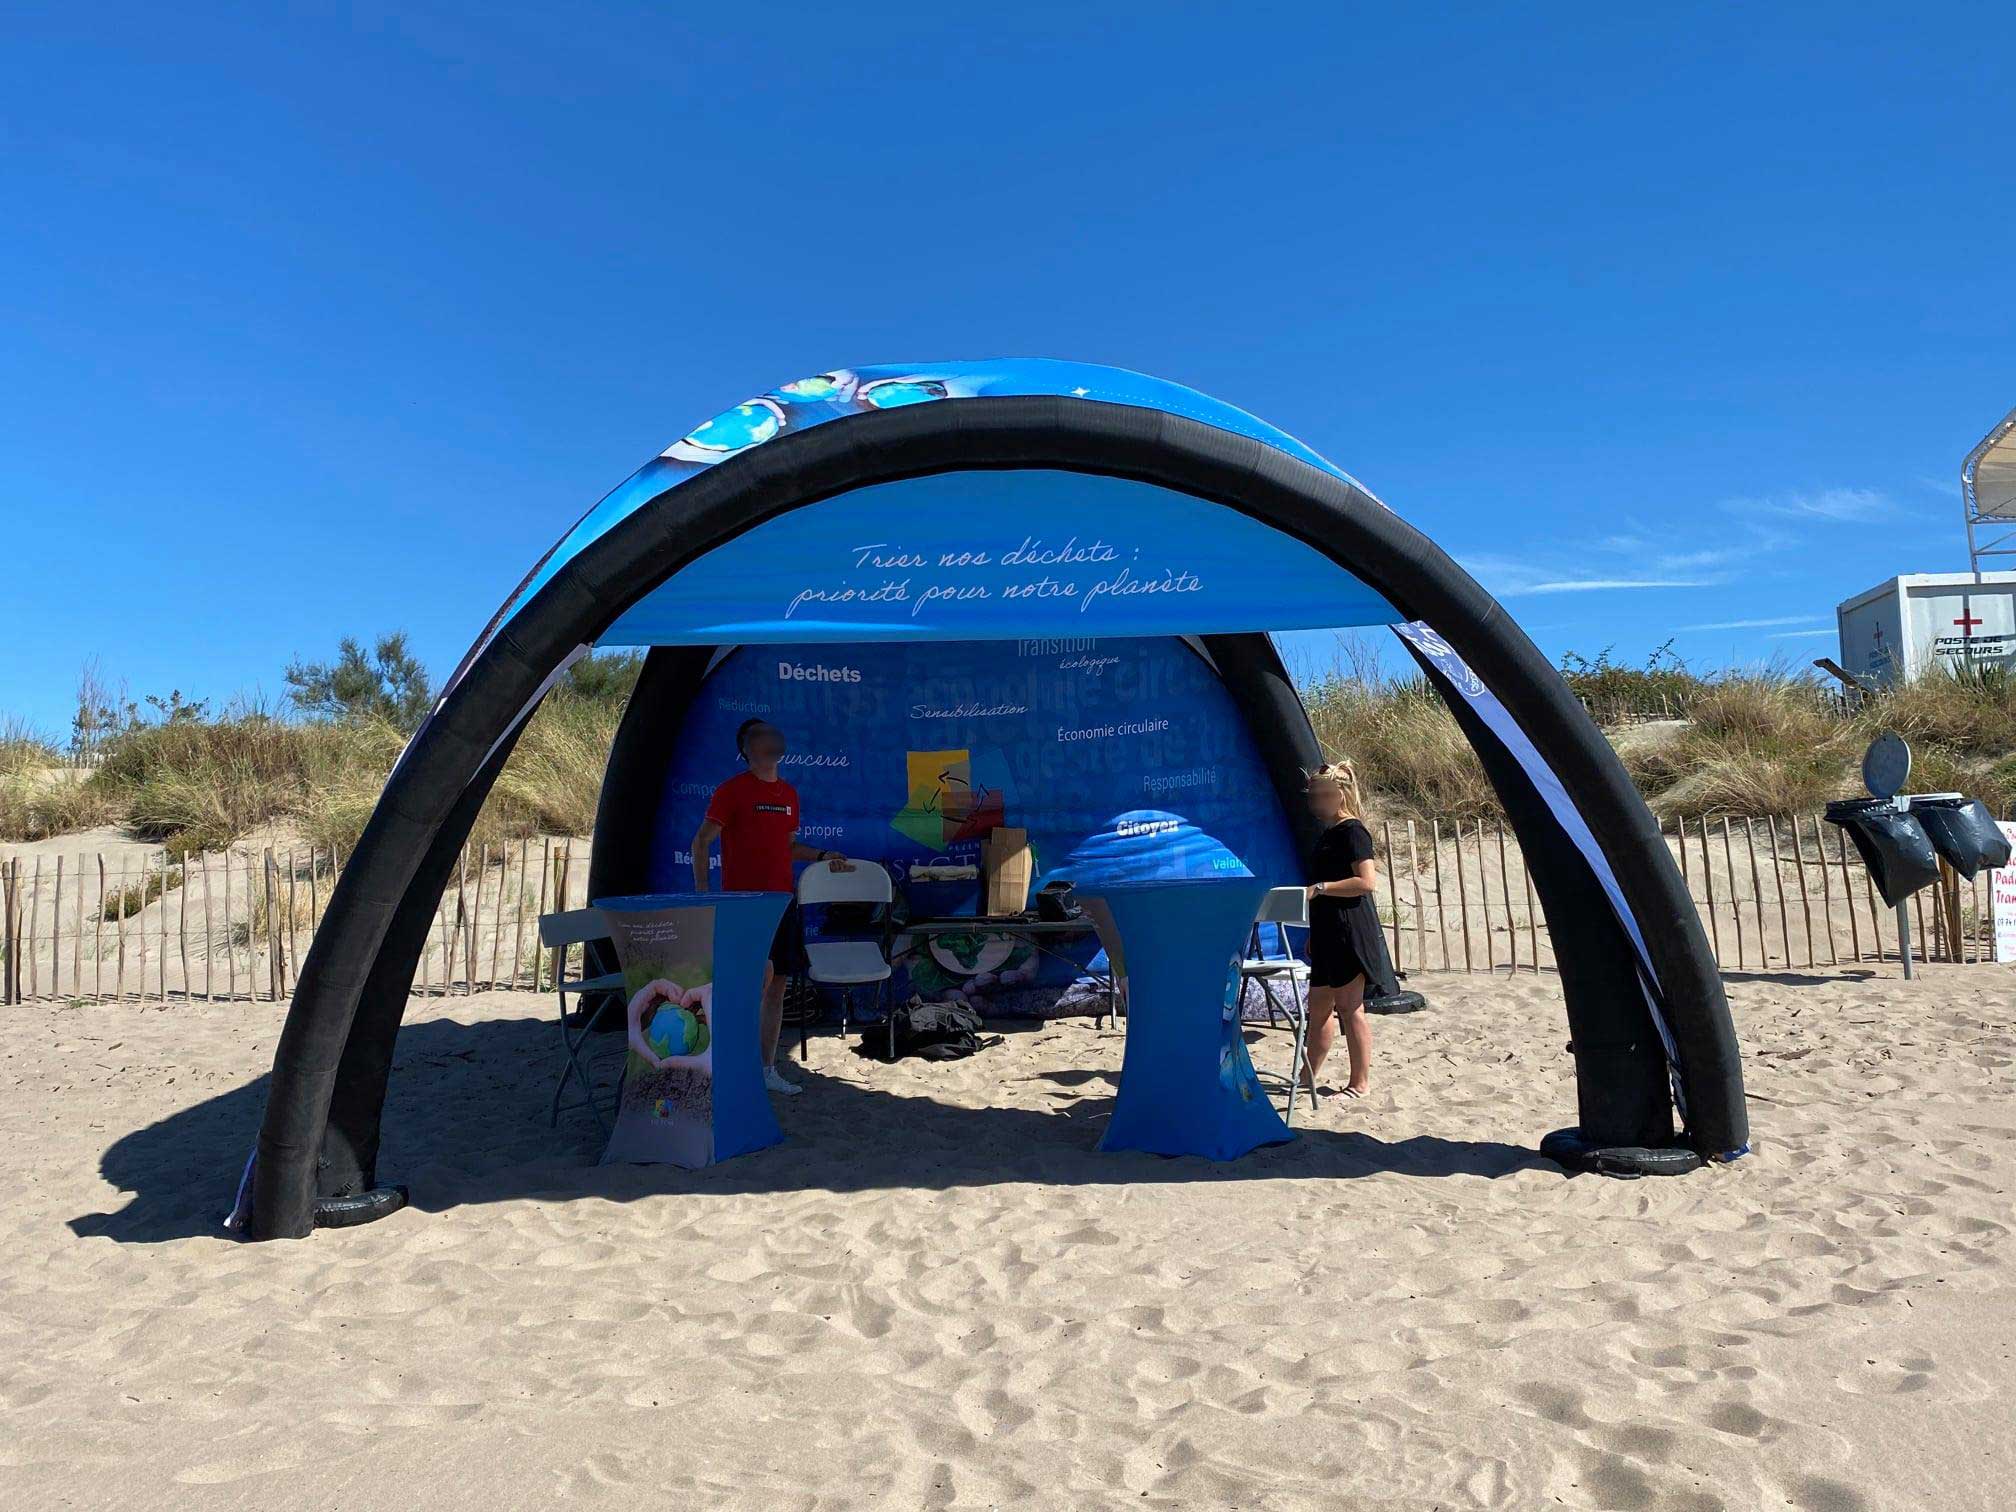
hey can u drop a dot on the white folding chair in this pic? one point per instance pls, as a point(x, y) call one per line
point(1284, 908)
point(848, 964)
point(557, 931)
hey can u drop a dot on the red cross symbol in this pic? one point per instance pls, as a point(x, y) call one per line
point(1966, 622)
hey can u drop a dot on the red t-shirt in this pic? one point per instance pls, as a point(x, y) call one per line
point(758, 820)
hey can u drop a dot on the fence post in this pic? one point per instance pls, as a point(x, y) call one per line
point(293, 934)
point(56, 935)
point(1708, 887)
point(27, 936)
point(1848, 896)
point(1484, 903)
point(1532, 920)
point(276, 968)
point(188, 985)
point(495, 928)
point(1778, 878)
point(98, 937)
point(1877, 917)
point(77, 937)
point(518, 912)
point(1826, 892)
point(1505, 888)
point(1463, 898)
point(119, 930)
point(539, 945)
point(7, 930)
point(1441, 912)
point(1420, 917)
point(161, 918)
point(1735, 899)
point(1757, 892)
point(1805, 904)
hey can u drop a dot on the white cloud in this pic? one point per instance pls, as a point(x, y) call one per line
point(1799, 634)
point(1841, 506)
point(1756, 624)
point(1603, 585)
point(1509, 577)
point(1684, 561)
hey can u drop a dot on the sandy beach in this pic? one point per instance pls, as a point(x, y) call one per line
point(937, 1293)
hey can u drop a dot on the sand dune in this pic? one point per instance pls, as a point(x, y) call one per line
point(937, 1293)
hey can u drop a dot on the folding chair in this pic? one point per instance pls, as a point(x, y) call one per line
point(557, 931)
point(1283, 908)
point(848, 964)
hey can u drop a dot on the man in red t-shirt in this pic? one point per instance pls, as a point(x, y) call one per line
point(754, 815)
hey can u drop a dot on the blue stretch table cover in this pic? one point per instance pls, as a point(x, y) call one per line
point(1187, 1086)
point(693, 984)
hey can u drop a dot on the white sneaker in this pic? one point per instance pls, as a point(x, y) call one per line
point(777, 1083)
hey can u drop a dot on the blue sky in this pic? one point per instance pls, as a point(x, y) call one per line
point(1670, 326)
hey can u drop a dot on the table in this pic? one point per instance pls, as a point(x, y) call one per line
point(693, 995)
point(1187, 1086)
point(1035, 931)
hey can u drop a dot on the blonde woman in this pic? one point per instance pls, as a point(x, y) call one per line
point(1344, 879)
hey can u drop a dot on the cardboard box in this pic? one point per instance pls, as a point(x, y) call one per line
point(1009, 866)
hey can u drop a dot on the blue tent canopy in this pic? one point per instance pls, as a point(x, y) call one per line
point(974, 555)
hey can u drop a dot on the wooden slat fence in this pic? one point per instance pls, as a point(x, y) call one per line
point(1780, 893)
point(234, 926)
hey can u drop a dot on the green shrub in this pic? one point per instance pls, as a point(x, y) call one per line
point(1663, 688)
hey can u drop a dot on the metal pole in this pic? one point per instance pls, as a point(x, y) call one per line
point(1904, 938)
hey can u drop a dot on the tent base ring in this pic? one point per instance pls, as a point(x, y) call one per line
point(359, 1207)
point(1568, 1148)
point(1396, 1002)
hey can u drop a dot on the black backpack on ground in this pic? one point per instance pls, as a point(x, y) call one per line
point(927, 1031)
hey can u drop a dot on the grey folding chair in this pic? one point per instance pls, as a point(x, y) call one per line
point(557, 931)
point(1285, 908)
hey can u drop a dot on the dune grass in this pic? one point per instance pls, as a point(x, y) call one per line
point(1753, 742)
point(40, 796)
point(201, 783)
point(201, 786)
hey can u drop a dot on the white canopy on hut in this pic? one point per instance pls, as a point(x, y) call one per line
point(1988, 489)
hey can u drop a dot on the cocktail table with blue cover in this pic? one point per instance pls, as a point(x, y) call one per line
point(1187, 1085)
point(693, 987)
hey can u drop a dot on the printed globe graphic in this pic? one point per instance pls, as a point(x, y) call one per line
point(676, 1031)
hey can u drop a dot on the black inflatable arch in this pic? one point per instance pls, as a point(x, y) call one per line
point(317, 1151)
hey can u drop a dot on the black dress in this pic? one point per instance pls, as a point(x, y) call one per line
point(1334, 957)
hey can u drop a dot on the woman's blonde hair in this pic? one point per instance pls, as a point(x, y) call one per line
point(1342, 776)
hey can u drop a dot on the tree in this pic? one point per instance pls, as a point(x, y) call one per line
point(389, 684)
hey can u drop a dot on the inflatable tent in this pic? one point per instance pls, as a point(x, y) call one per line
point(1023, 502)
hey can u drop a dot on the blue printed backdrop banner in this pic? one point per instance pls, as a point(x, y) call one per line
point(1124, 760)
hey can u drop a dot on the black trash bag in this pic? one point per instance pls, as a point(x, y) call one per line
point(1893, 845)
point(1965, 833)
